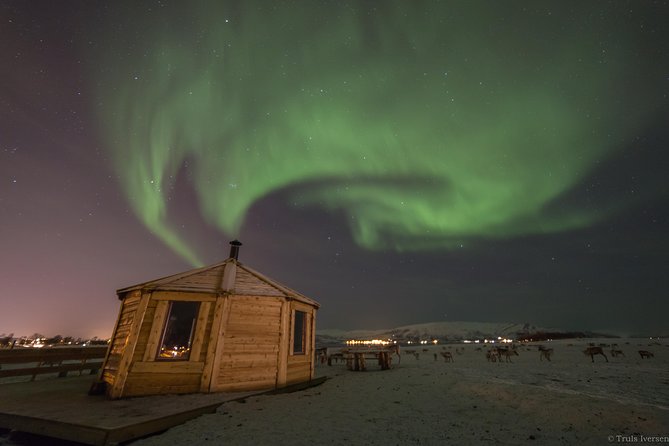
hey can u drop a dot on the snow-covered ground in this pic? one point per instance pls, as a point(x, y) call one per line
point(569, 400)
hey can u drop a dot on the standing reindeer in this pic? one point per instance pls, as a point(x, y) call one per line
point(646, 354)
point(592, 351)
point(495, 354)
point(506, 352)
point(448, 357)
point(395, 348)
point(545, 353)
point(615, 353)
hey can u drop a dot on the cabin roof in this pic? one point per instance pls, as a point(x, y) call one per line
point(209, 280)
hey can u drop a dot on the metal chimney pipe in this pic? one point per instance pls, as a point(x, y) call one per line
point(234, 249)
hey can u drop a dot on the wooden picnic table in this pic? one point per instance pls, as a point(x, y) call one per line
point(356, 358)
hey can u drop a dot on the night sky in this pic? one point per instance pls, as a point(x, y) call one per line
point(399, 162)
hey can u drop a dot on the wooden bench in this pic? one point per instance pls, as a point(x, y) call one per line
point(51, 360)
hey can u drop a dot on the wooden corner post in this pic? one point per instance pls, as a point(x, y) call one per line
point(284, 339)
point(130, 345)
point(209, 380)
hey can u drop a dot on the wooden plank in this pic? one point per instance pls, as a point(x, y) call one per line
point(295, 360)
point(244, 386)
point(216, 340)
point(164, 379)
point(108, 376)
point(250, 363)
point(254, 328)
point(110, 347)
point(297, 368)
point(156, 332)
point(247, 283)
point(251, 348)
point(239, 338)
point(229, 277)
point(63, 409)
point(182, 296)
point(284, 338)
point(298, 375)
point(256, 304)
point(227, 359)
point(55, 429)
point(259, 319)
point(167, 367)
point(161, 383)
point(232, 376)
point(200, 328)
point(271, 309)
point(144, 331)
point(124, 367)
point(210, 354)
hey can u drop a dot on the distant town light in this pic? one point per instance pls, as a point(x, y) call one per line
point(369, 342)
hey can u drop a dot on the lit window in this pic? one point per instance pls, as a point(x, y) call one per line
point(178, 333)
point(298, 332)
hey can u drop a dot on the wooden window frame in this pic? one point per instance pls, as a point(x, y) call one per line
point(192, 337)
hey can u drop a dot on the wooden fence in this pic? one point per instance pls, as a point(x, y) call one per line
point(37, 361)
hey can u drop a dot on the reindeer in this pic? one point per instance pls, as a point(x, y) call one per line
point(545, 353)
point(615, 353)
point(506, 352)
point(335, 355)
point(592, 351)
point(321, 355)
point(395, 348)
point(491, 355)
point(646, 354)
point(448, 357)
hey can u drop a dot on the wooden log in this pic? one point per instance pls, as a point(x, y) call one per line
point(218, 335)
point(116, 390)
point(183, 296)
point(254, 339)
point(284, 338)
point(168, 367)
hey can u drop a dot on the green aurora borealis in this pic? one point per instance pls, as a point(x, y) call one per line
point(422, 125)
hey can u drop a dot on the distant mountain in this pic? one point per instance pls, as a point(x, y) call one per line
point(442, 331)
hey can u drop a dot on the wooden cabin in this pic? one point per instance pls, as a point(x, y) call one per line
point(220, 328)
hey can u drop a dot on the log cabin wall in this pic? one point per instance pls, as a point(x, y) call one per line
point(118, 343)
point(250, 352)
point(150, 375)
point(301, 364)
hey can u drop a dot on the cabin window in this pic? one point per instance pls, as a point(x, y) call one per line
point(178, 332)
point(299, 332)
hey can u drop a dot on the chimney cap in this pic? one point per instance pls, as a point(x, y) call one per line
point(234, 249)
